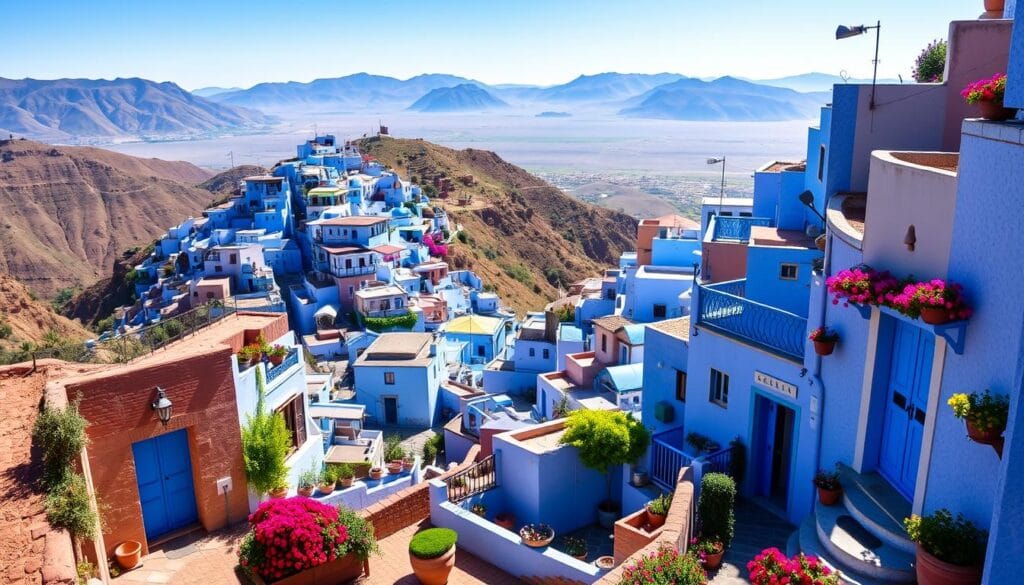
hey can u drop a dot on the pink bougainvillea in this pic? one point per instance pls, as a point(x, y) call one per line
point(771, 567)
point(291, 535)
point(865, 286)
point(437, 248)
point(862, 285)
point(985, 90)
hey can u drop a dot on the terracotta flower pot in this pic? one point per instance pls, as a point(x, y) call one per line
point(276, 359)
point(932, 571)
point(539, 543)
point(994, 110)
point(934, 315)
point(985, 437)
point(281, 492)
point(345, 482)
point(327, 488)
point(605, 562)
point(824, 347)
point(713, 560)
point(829, 497)
point(395, 467)
point(655, 520)
point(376, 473)
point(306, 491)
point(407, 464)
point(433, 571)
point(994, 5)
point(582, 557)
point(128, 554)
point(506, 521)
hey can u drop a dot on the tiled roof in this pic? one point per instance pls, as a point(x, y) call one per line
point(355, 220)
point(679, 328)
point(612, 322)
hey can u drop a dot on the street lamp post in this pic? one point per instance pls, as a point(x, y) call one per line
point(721, 190)
point(845, 32)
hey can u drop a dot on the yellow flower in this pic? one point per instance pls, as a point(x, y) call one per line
point(960, 404)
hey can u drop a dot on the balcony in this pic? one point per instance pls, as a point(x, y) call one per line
point(376, 313)
point(723, 308)
point(354, 271)
point(736, 229)
point(274, 372)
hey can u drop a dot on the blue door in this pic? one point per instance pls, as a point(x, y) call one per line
point(906, 406)
point(163, 469)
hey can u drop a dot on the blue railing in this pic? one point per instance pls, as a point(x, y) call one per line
point(275, 371)
point(720, 461)
point(667, 458)
point(737, 228)
point(775, 330)
point(732, 287)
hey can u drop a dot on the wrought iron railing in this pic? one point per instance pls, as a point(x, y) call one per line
point(471, 481)
point(775, 330)
point(273, 372)
point(732, 287)
point(720, 461)
point(667, 458)
point(737, 228)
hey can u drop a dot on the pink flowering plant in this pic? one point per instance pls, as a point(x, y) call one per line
point(823, 334)
point(986, 90)
point(864, 286)
point(939, 294)
point(665, 567)
point(291, 535)
point(702, 547)
point(771, 567)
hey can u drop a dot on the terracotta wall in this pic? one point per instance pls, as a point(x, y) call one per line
point(645, 233)
point(977, 49)
point(117, 406)
point(722, 261)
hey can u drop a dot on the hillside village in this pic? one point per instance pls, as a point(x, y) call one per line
point(779, 380)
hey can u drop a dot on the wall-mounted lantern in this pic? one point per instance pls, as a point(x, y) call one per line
point(162, 405)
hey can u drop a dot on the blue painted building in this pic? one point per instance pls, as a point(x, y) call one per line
point(398, 378)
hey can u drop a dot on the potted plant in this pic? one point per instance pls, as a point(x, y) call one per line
point(950, 550)
point(936, 301)
point(537, 535)
point(479, 509)
point(710, 552)
point(346, 475)
point(265, 446)
point(300, 541)
point(308, 481)
point(506, 520)
point(432, 555)
point(667, 566)
point(861, 285)
point(988, 95)
point(605, 438)
point(829, 488)
point(716, 514)
point(277, 354)
point(576, 547)
point(772, 567)
point(328, 478)
point(394, 467)
point(407, 463)
point(376, 473)
point(657, 509)
point(985, 415)
point(128, 554)
point(250, 355)
point(824, 340)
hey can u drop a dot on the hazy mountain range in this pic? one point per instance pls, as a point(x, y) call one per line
point(73, 108)
point(78, 109)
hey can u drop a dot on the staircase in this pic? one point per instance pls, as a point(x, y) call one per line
point(863, 538)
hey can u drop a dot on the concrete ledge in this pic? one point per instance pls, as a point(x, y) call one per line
point(59, 559)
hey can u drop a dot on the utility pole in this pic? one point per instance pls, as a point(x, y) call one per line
point(231, 155)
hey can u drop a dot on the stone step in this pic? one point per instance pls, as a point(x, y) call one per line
point(859, 551)
point(808, 543)
point(876, 506)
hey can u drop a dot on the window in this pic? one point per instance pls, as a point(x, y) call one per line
point(533, 352)
point(233, 259)
point(659, 311)
point(821, 162)
point(680, 386)
point(389, 378)
point(726, 214)
point(547, 353)
point(787, 271)
point(604, 342)
point(719, 388)
point(481, 350)
point(746, 214)
point(294, 413)
point(218, 268)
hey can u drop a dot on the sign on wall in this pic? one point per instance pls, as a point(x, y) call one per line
point(773, 383)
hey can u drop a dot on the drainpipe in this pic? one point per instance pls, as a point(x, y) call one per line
point(815, 375)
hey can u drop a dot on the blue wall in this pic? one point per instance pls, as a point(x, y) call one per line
point(415, 387)
point(764, 284)
point(1015, 71)
point(664, 355)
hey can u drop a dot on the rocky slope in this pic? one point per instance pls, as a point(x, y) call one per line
point(67, 213)
point(522, 235)
point(29, 319)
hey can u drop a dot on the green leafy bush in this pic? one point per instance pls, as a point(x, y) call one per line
point(433, 447)
point(393, 448)
point(432, 543)
point(69, 506)
point(605, 438)
point(342, 470)
point(931, 63)
point(379, 324)
point(660, 505)
point(60, 436)
point(5, 328)
point(715, 509)
point(361, 540)
point(265, 445)
point(665, 567)
point(957, 541)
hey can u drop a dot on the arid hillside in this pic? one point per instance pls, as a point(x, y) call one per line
point(522, 235)
point(29, 319)
point(69, 212)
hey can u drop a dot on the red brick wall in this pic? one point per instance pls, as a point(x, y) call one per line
point(117, 407)
point(630, 535)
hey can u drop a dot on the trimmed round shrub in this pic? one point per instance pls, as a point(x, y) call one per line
point(432, 543)
point(715, 509)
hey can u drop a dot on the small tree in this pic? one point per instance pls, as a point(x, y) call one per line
point(605, 438)
point(931, 63)
point(265, 445)
point(715, 509)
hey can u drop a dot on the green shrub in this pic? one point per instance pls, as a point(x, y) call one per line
point(660, 505)
point(380, 324)
point(60, 436)
point(954, 540)
point(432, 543)
point(265, 445)
point(342, 470)
point(518, 272)
point(5, 328)
point(931, 63)
point(393, 448)
point(329, 475)
point(462, 237)
point(433, 447)
point(605, 438)
point(360, 540)
point(309, 478)
point(69, 506)
point(715, 509)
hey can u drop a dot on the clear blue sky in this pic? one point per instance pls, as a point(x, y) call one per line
point(239, 43)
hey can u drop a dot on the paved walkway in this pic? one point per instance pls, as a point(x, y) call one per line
point(756, 529)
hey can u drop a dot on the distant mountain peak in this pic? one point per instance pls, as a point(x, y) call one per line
point(465, 97)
